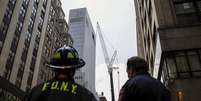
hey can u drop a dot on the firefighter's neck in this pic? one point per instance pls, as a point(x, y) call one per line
point(62, 76)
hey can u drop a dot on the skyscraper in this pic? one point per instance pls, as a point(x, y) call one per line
point(169, 34)
point(84, 38)
point(56, 35)
point(28, 35)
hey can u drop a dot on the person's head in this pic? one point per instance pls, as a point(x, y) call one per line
point(136, 65)
point(65, 61)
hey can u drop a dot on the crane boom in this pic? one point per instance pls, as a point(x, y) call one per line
point(105, 53)
point(108, 62)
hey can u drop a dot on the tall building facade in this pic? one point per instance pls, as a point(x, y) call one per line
point(169, 34)
point(56, 35)
point(29, 31)
point(84, 39)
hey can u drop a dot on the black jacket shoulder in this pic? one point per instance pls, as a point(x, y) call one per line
point(143, 87)
point(54, 90)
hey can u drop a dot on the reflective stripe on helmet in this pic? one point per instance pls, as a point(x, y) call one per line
point(57, 55)
point(70, 55)
point(81, 64)
point(76, 55)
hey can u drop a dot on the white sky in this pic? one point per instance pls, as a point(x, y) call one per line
point(117, 21)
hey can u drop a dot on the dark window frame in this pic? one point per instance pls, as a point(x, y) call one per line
point(196, 13)
point(190, 70)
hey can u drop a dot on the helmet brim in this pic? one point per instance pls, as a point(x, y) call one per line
point(80, 64)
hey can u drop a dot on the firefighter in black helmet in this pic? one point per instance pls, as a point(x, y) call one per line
point(62, 87)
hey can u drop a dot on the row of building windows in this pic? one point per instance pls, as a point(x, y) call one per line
point(36, 46)
point(14, 44)
point(6, 21)
point(3, 31)
point(74, 20)
point(44, 4)
point(50, 39)
point(38, 36)
point(188, 11)
point(80, 24)
point(50, 36)
point(29, 81)
point(9, 62)
point(53, 39)
point(37, 39)
point(148, 27)
point(20, 74)
point(28, 37)
point(76, 30)
point(181, 65)
point(47, 48)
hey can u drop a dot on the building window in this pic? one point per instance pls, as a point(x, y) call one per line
point(6, 20)
point(53, 12)
point(45, 49)
point(14, 43)
point(50, 18)
point(11, 4)
point(188, 11)
point(51, 9)
point(44, 3)
point(12, 1)
point(30, 26)
point(80, 19)
point(19, 26)
point(194, 62)
point(20, 74)
point(33, 13)
point(171, 66)
point(25, 2)
point(40, 24)
point(48, 27)
point(3, 31)
point(9, 65)
point(182, 64)
point(8, 13)
point(33, 64)
point(28, 37)
point(10, 60)
point(59, 3)
point(38, 37)
point(30, 78)
point(22, 12)
point(42, 14)
point(24, 55)
point(183, 8)
point(35, 50)
point(36, 1)
point(7, 74)
point(164, 74)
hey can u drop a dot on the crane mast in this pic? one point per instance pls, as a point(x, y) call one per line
point(108, 62)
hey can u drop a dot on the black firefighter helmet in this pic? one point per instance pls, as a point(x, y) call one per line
point(66, 57)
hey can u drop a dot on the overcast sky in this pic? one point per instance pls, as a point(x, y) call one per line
point(117, 21)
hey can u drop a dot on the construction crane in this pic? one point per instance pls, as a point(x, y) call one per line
point(109, 62)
